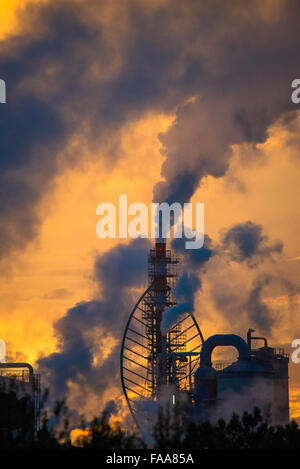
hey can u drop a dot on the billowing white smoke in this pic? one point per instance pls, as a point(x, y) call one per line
point(258, 395)
point(148, 410)
point(172, 315)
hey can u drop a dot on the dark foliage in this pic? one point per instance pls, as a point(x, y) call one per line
point(247, 432)
point(170, 432)
point(16, 416)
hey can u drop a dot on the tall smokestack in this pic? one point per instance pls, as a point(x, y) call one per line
point(160, 298)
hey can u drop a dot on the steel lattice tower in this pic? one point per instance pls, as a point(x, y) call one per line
point(150, 361)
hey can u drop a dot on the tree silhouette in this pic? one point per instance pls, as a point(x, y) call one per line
point(173, 430)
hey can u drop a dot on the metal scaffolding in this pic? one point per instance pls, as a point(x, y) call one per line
point(150, 360)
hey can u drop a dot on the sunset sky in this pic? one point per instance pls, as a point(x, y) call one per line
point(160, 100)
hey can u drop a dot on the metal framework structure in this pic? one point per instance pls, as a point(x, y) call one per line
point(24, 373)
point(151, 361)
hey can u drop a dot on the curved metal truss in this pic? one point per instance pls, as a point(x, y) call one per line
point(141, 360)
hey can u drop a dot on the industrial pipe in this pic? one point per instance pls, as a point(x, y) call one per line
point(250, 338)
point(220, 340)
point(19, 365)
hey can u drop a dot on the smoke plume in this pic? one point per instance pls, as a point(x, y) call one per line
point(84, 327)
point(245, 242)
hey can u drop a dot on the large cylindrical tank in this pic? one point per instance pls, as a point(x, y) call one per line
point(259, 378)
point(244, 385)
point(206, 377)
point(237, 388)
point(279, 362)
point(281, 414)
point(205, 393)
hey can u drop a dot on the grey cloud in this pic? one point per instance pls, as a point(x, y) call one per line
point(244, 86)
point(246, 242)
point(258, 312)
point(71, 72)
point(77, 331)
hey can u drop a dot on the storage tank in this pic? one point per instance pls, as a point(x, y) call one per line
point(206, 377)
point(258, 378)
point(278, 361)
point(244, 385)
point(205, 393)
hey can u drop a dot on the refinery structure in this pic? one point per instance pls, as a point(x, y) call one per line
point(171, 364)
point(177, 362)
point(19, 397)
point(153, 362)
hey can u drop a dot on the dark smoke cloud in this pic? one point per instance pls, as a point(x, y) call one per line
point(80, 331)
point(244, 86)
point(189, 282)
point(246, 242)
point(87, 68)
point(194, 258)
point(242, 304)
point(186, 287)
point(184, 293)
point(110, 408)
point(67, 74)
point(243, 243)
point(257, 311)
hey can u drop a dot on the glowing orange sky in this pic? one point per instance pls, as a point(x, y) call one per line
point(9, 15)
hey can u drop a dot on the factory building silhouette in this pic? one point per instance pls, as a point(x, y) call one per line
point(19, 398)
point(164, 357)
point(258, 378)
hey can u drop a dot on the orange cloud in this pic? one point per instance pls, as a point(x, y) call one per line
point(9, 10)
point(295, 402)
point(55, 271)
